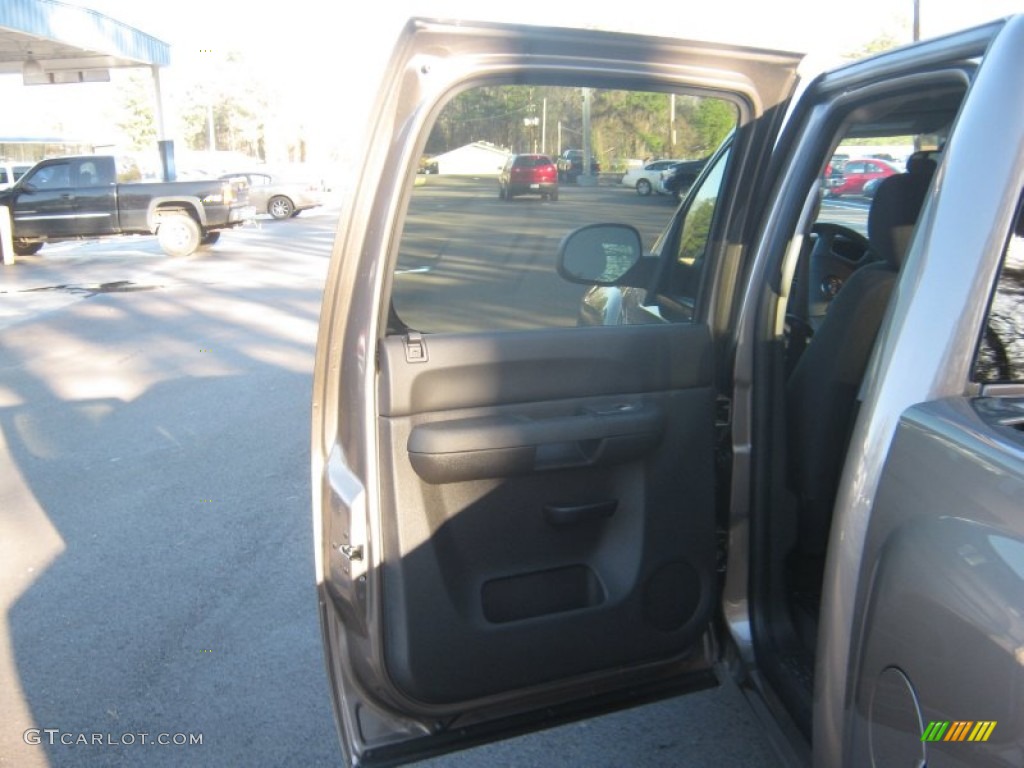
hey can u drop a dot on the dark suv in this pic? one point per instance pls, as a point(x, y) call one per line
point(677, 179)
point(528, 175)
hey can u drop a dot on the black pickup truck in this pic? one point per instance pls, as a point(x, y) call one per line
point(70, 198)
point(570, 165)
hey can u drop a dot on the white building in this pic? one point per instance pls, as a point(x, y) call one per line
point(476, 159)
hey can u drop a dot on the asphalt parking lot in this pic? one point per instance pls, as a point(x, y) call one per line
point(156, 566)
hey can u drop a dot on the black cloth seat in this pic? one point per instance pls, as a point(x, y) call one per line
point(822, 390)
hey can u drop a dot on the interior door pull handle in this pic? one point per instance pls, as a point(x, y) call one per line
point(562, 516)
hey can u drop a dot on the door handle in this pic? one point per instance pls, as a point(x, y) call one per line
point(502, 446)
point(563, 516)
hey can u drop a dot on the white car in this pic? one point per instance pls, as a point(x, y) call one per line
point(11, 172)
point(645, 179)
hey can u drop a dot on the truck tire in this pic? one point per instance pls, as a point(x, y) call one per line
point(179, 234)
point(280, 207)
point(26, 249)
point(210, 238)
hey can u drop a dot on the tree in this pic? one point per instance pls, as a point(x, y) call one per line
point(624, 124)
point(898, 33)
point(713, 120)
point(237, 102)
point(136, 111)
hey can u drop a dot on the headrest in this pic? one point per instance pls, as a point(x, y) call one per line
point(921, 162)
point(895, 208)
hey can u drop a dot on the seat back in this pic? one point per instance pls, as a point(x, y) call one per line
point(821, 393)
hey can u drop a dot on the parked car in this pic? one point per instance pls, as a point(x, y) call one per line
point(677, 179)
point(645, 179)
point(11, 172)
point(856, 173)
point(278, 195)
point(870, 186)
point(519, 522)
point(833, 174)
point(528, 175)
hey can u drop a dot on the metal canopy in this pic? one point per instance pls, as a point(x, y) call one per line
point(64, 38)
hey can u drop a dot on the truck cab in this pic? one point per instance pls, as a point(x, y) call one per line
point(66, 197)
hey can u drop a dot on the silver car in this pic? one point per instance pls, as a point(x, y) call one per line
point(278, 195)
point(568, 460)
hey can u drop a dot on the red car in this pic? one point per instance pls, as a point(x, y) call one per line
point(857, 173)
point(528, 175)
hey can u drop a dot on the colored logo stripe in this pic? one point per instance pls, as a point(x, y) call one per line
point(982, 730)
point(958, 730)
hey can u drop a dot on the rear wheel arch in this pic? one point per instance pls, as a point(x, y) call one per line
point(163, 206)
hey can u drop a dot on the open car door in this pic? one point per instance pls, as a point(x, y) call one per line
point(515, 516)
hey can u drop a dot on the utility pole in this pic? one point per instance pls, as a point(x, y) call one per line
point(672, 124)
point(586, 177)
point(544, 127)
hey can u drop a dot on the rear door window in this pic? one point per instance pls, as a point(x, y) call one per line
point(472, 261)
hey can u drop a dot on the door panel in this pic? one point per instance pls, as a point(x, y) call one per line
point(946, 543)
point(544, 509)
point(95, 204)
point(514, 516)
point(50, 208)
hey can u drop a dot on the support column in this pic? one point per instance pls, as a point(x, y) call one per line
point(165, 146)
point(6, 236)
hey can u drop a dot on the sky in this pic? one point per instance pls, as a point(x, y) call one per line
point(319, 31)
point(330, 63)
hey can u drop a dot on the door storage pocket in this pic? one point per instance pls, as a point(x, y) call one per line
point(540, 593)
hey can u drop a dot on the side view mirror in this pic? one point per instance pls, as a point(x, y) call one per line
point(599, 254)
point(28, 187)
